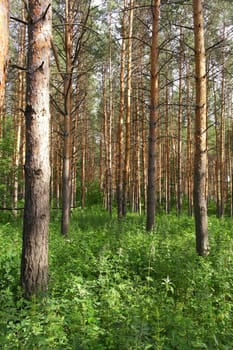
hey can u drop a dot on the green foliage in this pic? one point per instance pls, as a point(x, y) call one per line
point(93, 195)
point(114, 286)
point(6, 152)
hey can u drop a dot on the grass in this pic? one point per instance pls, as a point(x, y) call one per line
point(115, 287)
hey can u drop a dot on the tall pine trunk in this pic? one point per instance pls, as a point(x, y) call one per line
point(4, 34)
point(34, 263)
point(126, 171)
point(154, 97)
point(67, 147)
point(120, 122)
point(18, 116)
point(179, 141)
point(200, 205)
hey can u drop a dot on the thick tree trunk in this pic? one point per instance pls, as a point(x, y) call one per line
point(4, 34)
point(154, 96)
point(200, 205)
point(34, 264)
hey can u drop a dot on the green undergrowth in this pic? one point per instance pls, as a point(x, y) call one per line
point(115, 287)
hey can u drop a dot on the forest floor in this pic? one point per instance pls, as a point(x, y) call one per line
point(115, 287)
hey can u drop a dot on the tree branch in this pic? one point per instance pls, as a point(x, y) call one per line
point(19, 20)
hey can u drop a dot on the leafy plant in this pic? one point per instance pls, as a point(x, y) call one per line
point(114, 286)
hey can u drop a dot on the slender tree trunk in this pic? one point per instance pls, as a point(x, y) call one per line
point(167, 150)
point(154, 97)
point(158, 157)
point(173, 151)
point(222, 145)
point(73, 199)
point(18, 118)
point(110, 121)
point(137, 177)
point(179, 146)
point(101, 160)
point(34, 263)
point(83, 161)
point(16, 161)
point(143, 143)
point(3, 155)
point(74, 160)
point(128, 111)
point(189, 168)
point(4, 35)
point(217, 160)
point(105, 137)
point(207, 146)
point(200, 205)
point(66, 170)
point(229, 167)
point(230, 157)
point(120, 123)
point(56, 151)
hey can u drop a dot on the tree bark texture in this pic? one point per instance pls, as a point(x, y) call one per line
point(222, 158)
point(19, 117)
point(167, 149)
point(120, 121)
point(154, 96)
point(34, 263)
point(126, 171)
point(179, 145)
point(143, 146)
point(67, 148)
point(109, 122)
point(200, 158)
point(4, 34)
point(189, 166)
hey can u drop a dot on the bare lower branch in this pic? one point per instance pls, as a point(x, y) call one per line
point(19, 20)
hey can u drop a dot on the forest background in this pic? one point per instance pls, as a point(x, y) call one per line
point(97, 100)
point(95, 51)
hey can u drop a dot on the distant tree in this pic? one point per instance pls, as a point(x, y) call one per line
point(128, 117)
point(19, 134)
point(70, 36)
point(200, 205)
point(4, 33)
point(34, 263)
point(154, 97)
point(100, 94)
point(121, 119)
point(67, 150)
